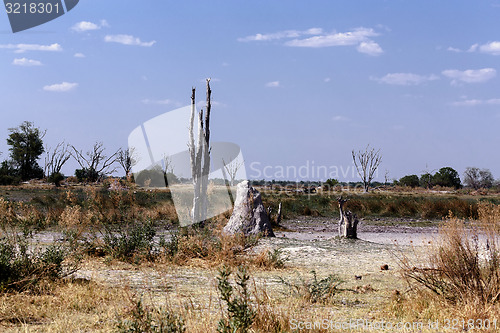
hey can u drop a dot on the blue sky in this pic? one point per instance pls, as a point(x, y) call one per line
point(295, 83)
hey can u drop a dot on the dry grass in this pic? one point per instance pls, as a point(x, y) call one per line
point(461, 277)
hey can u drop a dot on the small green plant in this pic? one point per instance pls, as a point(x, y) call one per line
point(137, 240)
point(151, 320)
point(315, 291)
point(239, 314)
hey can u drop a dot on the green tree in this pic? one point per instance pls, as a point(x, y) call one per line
point(410, 180)
point(26, 146)
point(447, 177)
point(426, 180)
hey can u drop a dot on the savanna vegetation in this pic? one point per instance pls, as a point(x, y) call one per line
point(97, 253)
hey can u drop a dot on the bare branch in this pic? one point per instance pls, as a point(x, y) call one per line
point(55, 159)
point(366, 163)
point(96, 159)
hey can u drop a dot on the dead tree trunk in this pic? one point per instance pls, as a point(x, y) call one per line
point(200, 158)
point(348, 222)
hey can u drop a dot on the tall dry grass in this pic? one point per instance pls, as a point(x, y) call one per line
point(461, 273)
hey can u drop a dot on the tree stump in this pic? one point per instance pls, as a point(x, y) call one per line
point(348, 222)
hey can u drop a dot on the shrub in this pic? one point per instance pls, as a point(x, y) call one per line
point(149, 320)
point(270, 259)
point(23, 268)
point(410, 181)
point(56, 178)
point(87, 175)
point(461, 269)
point(239, 314)
point(135, 241)
point(315, 291)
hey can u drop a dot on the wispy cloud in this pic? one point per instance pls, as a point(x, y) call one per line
point(405, 79)
point(273, 84)
point(21, 48)
point(453, 49)
point(281, 35)
point(84, 26)
point(61, 87)
point(470, 75)
point(475, 102)
point(327, 79)
point(335, 39)
point(317, 38)
point(157, 101)
point(26, 62)
point(127, 40)
point(492, 48)
point(79, 55)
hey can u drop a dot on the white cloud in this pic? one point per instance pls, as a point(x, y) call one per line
point(281, 35)
point(157, 102)
point(273, 84)
point(316, 38)
point(327, 79)
point(26, 62)
point(370, 48)
point(475, 102)
point(473, 48)
point(335, 39)
point(491, 48)
point(61, 87)
point(470, 75)
point(405, 79)
point(21, 48)
point(453, 49)
point(85, 26)
point(79, 55)
point(127, 40)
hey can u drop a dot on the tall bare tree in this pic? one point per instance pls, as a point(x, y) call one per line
point(56, 158)
point(127, 159)
point(95, 161)
point(367, 161)
point(232, 169)
point(200, 157)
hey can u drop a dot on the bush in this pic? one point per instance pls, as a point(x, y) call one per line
point(410, 181)
point(149, 320)
point(239, 314)
point(315, 291)
point(22, 268)
point(460, 269)
point(56, 178)
point(135, 241)
point(152, 178)
point(87, 175)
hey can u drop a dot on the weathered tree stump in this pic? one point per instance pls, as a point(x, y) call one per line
point(348, 222)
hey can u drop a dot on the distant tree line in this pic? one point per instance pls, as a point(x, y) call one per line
point(448, 177)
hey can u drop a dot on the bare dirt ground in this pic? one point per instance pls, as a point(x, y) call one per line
point(309, 244)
